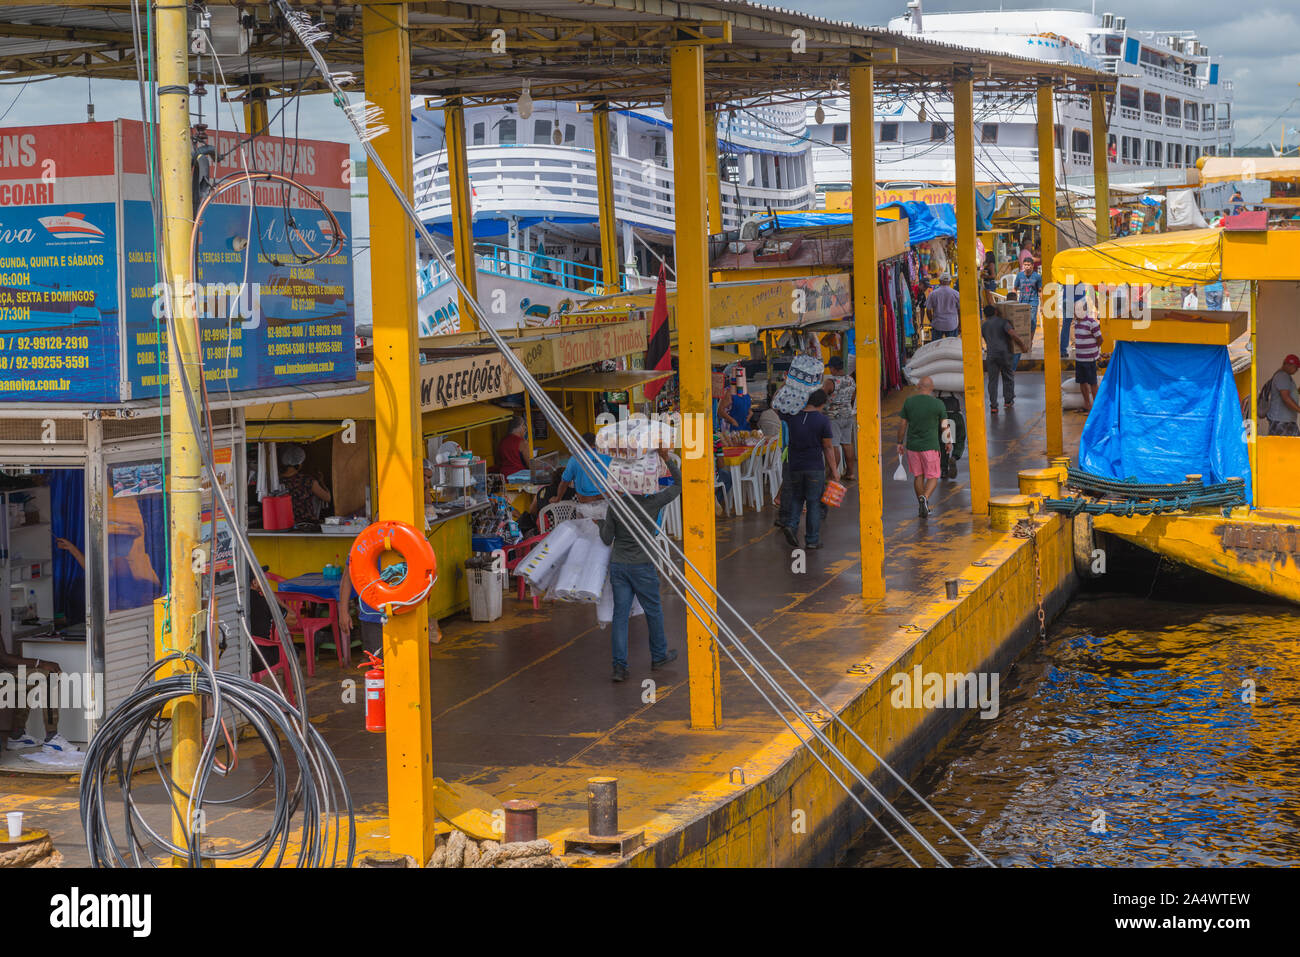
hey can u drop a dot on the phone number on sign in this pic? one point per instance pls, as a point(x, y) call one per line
point(44, 362)
point(28, 343)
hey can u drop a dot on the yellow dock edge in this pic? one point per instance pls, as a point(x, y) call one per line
point(791, 813)
point(1258, 549)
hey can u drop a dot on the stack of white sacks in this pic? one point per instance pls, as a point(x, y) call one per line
point(1071, 395)
point(940, 359)
point(571, 563)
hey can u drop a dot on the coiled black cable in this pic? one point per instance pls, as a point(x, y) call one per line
point(311, 812)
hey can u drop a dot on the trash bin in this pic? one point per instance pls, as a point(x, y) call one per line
point(485, 589)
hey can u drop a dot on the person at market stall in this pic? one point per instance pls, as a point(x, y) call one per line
point(944, 306)
point(741, 404)
point(839, 390)
point(1028, 289)
point(811, 456)
point(18, 739)
point(577, 475)
point(919, 429)
point(999, 335)
point(633, 573)
point(723, 421)
point(722, 483)
point(512, 451)
point(770, 420)
point(308, 495)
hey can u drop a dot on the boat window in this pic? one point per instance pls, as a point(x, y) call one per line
point(1207, 111)
point(542, 132)
point(840, 133)
point(1130, 96)
point(889, 132)
point(1058, 136)
point(1080, 141)
point(1172, 106)
point(988, 133)
point(938, 132)
point(570, 133)
point(480, 133)
point(506, 132)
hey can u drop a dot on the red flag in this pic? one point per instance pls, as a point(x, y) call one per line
point(657, 355)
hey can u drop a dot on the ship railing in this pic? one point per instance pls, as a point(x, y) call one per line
point(1130, 113)
point(1192, 126)
point(1152, 118)
point(561, 180)
point(517, 264)
point(1173, 122)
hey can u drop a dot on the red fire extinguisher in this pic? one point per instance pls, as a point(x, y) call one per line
point(375, 694)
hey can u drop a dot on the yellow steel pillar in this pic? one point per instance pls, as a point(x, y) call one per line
point(398, 448)
point(866, 329)
point(185, 463)
point(963, 103)
point(1050, 311)
point(605, 203)
point(255, 115)
point(712, 183)
point(462, 207)
point(698, 519)
point(1100, 167)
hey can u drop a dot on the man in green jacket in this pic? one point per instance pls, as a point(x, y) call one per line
point(631, 572)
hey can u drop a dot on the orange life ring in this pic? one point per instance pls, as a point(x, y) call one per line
point(363, 566)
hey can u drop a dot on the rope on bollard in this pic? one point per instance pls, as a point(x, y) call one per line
point(460, 851)
point(36, 854)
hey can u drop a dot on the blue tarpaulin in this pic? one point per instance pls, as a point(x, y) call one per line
point(925, 221)
point(1165, 411)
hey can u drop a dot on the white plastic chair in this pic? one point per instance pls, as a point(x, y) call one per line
point(672, 516)
point(751, 477)
point(772, 468)
point(555, 513)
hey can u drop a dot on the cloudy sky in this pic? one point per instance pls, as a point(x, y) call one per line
point(1260, 53)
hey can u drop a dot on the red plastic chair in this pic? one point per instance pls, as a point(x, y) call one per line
point(282, 666)
point(310, 625)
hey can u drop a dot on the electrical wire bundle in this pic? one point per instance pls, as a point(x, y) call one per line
point(310, 811)
point(138, 725)
point(704, 604)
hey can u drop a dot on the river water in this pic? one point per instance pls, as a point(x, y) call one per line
point(1128, 738)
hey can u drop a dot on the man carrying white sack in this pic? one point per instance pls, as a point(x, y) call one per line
point(632, 573)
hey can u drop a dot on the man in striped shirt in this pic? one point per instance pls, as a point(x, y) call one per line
point(1087, 350)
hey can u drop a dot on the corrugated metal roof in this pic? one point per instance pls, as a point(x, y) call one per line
point(586, 50)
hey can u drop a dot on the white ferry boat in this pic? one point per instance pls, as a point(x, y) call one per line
point(1171, 104)
point(534, 197)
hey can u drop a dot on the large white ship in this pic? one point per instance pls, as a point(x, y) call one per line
point(1171, 104)
point(534, 196)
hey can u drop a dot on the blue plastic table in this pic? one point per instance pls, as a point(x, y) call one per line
point(314, 584)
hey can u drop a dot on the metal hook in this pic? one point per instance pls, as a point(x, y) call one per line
point(731, 775)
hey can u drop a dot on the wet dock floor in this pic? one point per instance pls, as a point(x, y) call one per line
point(523, 707)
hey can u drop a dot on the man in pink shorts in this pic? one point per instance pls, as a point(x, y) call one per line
point(919, 434)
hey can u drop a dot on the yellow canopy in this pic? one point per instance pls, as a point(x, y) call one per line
point(1186, 257)
point(1226, 169)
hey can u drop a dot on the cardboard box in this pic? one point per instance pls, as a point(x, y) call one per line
point(1020, 315)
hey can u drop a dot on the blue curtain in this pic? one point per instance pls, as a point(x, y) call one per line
point(68, 504)
point(1165, 411)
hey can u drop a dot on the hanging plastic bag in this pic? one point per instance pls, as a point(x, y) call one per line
point(900, 473)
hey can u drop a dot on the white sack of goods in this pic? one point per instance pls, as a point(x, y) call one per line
point(1071, 400)
point(946, 348)
point(594, 572)
point(948, 381)
point(1069, 385)
point(549, 550)
point(567, 583)
point(605, 606)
